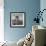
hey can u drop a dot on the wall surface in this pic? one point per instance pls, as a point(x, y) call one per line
point(28, 6)
point(43, 6)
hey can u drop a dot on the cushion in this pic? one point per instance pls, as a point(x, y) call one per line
point(20, 42)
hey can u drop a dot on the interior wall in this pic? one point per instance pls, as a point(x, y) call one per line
point(43, 6)
point(30, 7)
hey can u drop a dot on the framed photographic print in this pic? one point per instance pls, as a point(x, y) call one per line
point(17, 19)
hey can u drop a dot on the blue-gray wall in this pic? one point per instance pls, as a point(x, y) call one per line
point(28, 6)
point(43, 6)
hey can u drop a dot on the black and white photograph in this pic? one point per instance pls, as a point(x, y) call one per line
point(17, 19)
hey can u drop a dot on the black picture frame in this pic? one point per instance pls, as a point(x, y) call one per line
point(17, 19)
